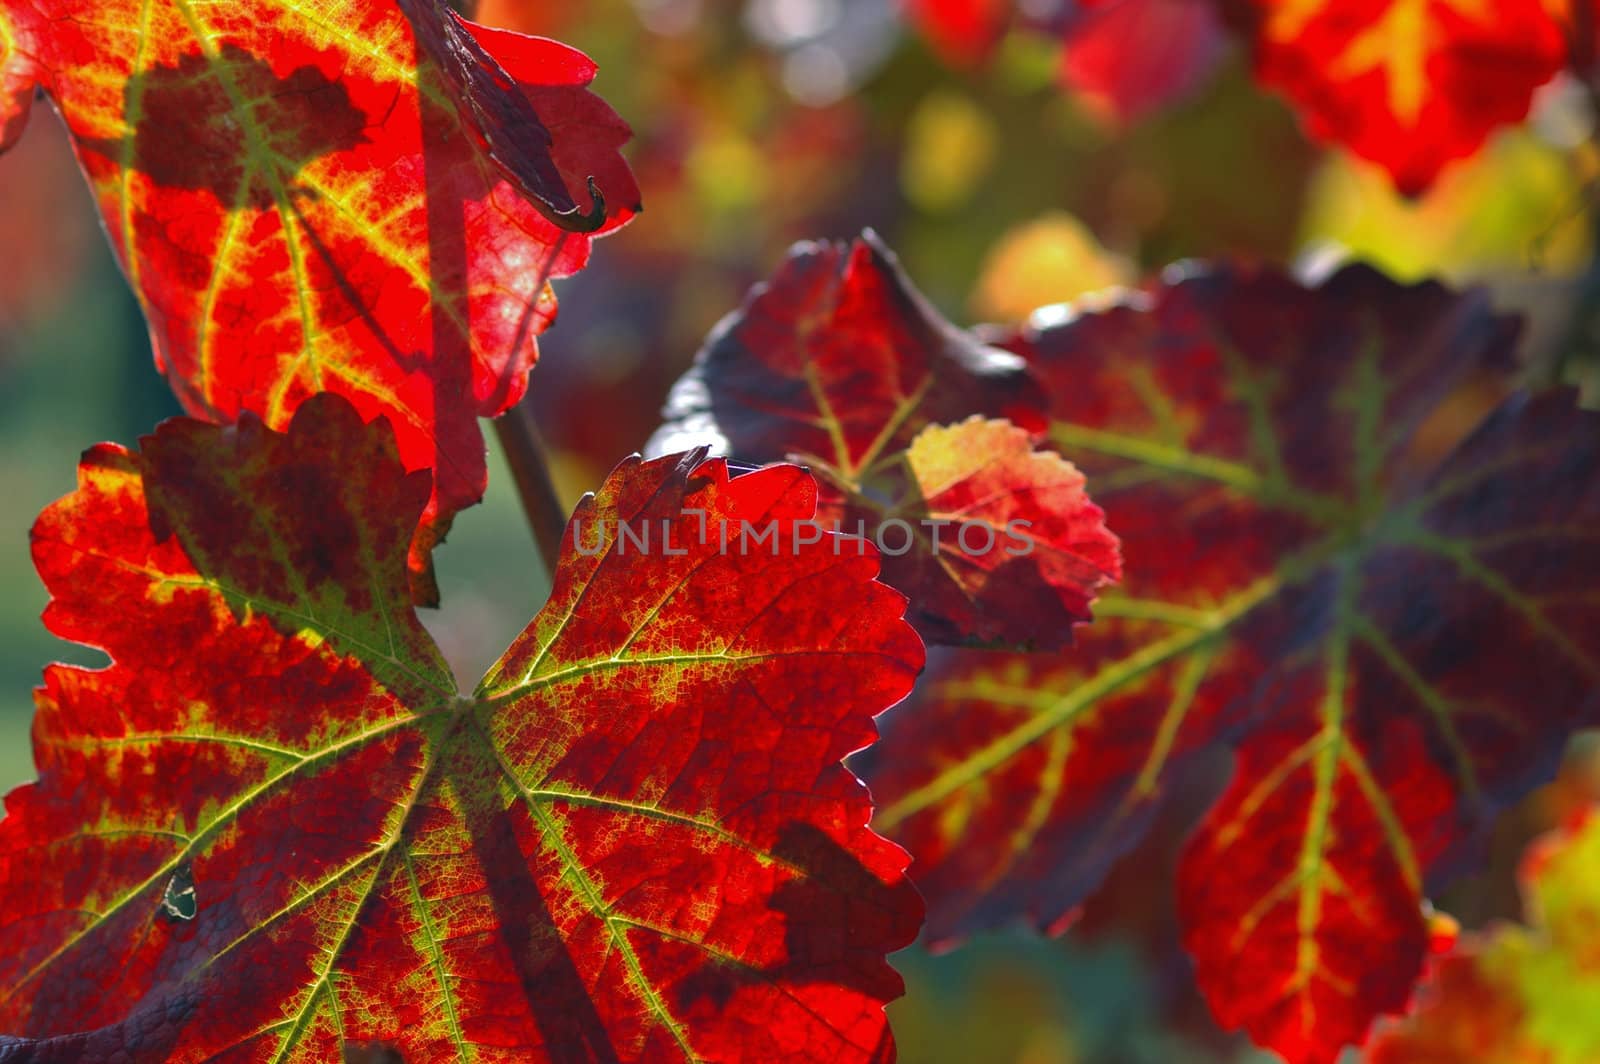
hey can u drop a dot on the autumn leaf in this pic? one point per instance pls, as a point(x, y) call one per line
point(17, 74)
point(359, 197)
point(272, 828)
point(1408, 84)
point(1369, 633)
point(1518, 994)
point(839, 357)
point(963, 31)
point(1128, 58)
point(1050, 259)
point(1123, 58)
point(998, 542)
point(1452, 668)
point(838, 363)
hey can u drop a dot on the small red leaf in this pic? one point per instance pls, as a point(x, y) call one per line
point(272, 828)
point(993, 541)
point(306, 199)
point(838, 363)
point(1127, 58)
point(964, 31)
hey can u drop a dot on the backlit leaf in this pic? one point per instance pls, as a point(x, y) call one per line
point(1395, 651)
point(964, 31)
point(1409, 84)
point(323, 197)
point(838, 363)
point(17, 73)
point(272, 829)
point(1507, 209)
point(1432, 678)
point(1124, 58)
point(1050, 259)
point(1515, 994)
point(993, 541)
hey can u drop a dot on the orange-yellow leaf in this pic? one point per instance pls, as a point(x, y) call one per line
point(1409, 84)
point(1518, 994)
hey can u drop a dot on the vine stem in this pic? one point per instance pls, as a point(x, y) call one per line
point(530, 467)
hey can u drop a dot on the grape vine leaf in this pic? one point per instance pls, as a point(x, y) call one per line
point(272, 827)
point(839, 364)
point(364, 196)
point(1408, 84)
point(996, 542)
point(1127, 58)
point(964, 31)
point(17, 74)
point(1394, 650)
point(1518, 993)
point(1124, 58)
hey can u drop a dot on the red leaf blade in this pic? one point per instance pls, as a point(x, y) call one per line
point(1294, 588)
point(1458, 655)
point(838, 357)
point(1131, 57)
point(1410, 86)
point(17, 73)
point(636, 841)
point(998, 543)
point(286, 188)
point(838, 363)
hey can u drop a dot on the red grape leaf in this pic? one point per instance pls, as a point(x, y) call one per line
point(1124, 58)
point(17, 73)
point(840, 358)
point(992, 540)
point(1198, 411)
point(1286, 577)
point(1518, 995)
point(272, 826)
point(1127, 58)
point(839, 363)
point(502, 118)
point(1409, 84)
point(963, 31)
point(306, 200)
point(1434, 675)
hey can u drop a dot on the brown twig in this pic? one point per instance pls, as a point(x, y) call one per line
point(530, 468)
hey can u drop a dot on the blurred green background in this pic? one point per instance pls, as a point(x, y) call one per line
point(762, 122)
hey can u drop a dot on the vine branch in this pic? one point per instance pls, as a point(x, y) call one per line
point(530, 467)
